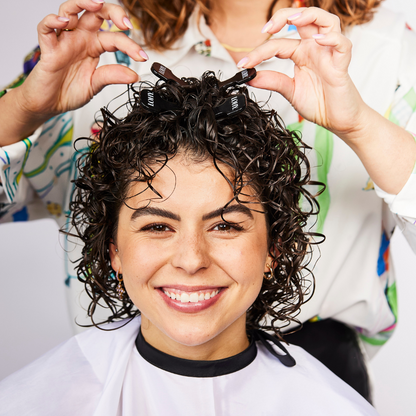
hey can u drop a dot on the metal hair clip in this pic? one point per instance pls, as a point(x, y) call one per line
point(241, 77)
point(165, 73)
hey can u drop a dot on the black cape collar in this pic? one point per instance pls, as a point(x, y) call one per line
point(215, 368)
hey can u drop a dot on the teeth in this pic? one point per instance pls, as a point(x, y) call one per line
point(193, 297)
point(184, 298)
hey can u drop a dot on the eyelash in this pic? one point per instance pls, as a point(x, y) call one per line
point(232, 227)
point(152, 227)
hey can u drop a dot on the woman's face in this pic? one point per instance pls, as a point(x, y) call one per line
point(191, 275)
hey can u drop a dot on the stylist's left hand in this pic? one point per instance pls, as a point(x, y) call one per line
point(321, 90)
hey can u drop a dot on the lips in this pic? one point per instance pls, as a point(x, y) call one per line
point(190, 300)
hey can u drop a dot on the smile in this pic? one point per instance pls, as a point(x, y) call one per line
point(194, 297)
point(191, 300)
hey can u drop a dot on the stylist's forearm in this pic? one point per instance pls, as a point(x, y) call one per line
point(17, 122)
point(387, 151)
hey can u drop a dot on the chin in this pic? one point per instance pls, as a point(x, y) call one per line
point(191, 337)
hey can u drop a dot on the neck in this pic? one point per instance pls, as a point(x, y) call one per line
point(228, 343)
point(239, 22)
point(243, 12)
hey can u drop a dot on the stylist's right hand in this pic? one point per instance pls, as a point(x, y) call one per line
point(67, 77)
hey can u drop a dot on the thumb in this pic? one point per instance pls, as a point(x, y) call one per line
point(274, 81)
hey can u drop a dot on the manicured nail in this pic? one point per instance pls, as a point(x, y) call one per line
point(127, 22)
point(295, 16)
point(143, 54)
point(98, 1)
point(63, 19)
point(242, 62)
point(318, 36)
point(267, 27)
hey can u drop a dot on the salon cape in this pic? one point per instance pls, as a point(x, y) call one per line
point(101, 373)
point(355, 282)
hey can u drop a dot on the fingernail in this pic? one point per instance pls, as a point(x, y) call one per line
point(318, 36)
point(267, 27)
point(63, 19)
point(295, 16)
point(127, 22)
point(98, 1)
point(143, 54)
point(242, 62)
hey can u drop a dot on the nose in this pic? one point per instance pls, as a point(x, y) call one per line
point(191, 253)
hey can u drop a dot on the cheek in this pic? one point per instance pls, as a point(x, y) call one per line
point(244, 262)
point(140, 262)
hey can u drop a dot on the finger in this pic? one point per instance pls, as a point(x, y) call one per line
point(71, 8)
point(47, 29)
point(341, 48)
point(274, 81)
point(117, 41)
point(281, 48)
point(336, 40)
point(92, 21)
point(280, 19)
point(112, 74)
point(325, 22)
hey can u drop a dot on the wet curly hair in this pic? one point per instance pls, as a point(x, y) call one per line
point(261, 154)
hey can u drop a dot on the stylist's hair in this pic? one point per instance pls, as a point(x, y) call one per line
point(163, 22)
point(252, 151)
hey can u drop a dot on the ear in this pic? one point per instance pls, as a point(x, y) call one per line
point(115, 257)
point(270, 261)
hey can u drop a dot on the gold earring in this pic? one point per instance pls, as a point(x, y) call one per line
point(269, 276)
point(119, 289)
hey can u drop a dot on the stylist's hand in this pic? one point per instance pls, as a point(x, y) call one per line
point(67, 77)
point(321, 90)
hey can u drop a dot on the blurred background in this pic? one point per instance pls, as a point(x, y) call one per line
point(32, 298)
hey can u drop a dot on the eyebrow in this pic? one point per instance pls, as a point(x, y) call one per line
point(160, 212)
point(228, 210)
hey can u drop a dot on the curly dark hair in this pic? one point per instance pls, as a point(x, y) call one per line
point(261, 154)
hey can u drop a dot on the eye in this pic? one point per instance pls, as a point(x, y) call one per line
point(157, 228)
point(227, 227)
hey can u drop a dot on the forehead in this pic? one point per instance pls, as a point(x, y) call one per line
point(186, 184)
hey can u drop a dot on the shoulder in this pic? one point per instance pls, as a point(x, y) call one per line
point(70, 378)
point(319, 388)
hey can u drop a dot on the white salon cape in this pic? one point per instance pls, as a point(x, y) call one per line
point(102, 373)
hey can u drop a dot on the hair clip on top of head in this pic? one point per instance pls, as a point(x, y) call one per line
point(165, 73)
point(239, 78)
point(153, 102)
point(233, 105)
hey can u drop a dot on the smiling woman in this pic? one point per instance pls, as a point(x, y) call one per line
point(192, 210)
point(219, 193)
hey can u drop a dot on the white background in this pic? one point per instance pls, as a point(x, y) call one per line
point(32, 298)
